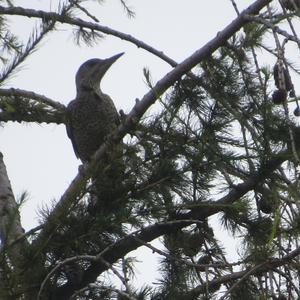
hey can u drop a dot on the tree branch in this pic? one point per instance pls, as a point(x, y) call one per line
point(31, 13)
point(240, 189)
point(20, 105)
point(275, 28)
point(10, 224)
point(118, 250)
point(264, 267)
point(33, 96)
point(43, 117)
point(131, 242)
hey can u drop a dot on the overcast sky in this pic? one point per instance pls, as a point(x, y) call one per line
point(40, 158)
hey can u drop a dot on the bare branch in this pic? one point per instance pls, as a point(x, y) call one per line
point(75, 2)
point(84, 24)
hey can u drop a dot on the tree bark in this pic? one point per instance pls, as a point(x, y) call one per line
point(10, 224)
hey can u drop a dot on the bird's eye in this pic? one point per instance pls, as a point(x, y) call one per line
point(92, 63)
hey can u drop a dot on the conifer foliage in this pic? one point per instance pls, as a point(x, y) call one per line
point(220, 150)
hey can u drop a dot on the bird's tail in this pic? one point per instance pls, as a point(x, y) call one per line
point(107, 184)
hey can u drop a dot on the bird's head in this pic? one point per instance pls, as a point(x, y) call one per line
point(91, 72)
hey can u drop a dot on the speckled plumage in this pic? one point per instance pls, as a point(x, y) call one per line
point(90, 122)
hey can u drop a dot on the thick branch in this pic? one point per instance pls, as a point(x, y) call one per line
point(10, 224)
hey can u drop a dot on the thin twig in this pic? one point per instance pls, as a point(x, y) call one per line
point(84, 10)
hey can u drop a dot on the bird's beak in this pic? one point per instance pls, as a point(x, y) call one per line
point(114, 58)
point(111, 60)
point(105, 64)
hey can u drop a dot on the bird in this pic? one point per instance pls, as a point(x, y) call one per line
point(91, 117)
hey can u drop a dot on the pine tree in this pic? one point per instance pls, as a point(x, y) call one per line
point(223, 142)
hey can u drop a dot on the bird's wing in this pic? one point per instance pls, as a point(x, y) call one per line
point(70, 130)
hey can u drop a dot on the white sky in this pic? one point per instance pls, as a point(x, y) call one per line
point(40, 158)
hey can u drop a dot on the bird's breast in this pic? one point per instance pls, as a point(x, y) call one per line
point(92, 118)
